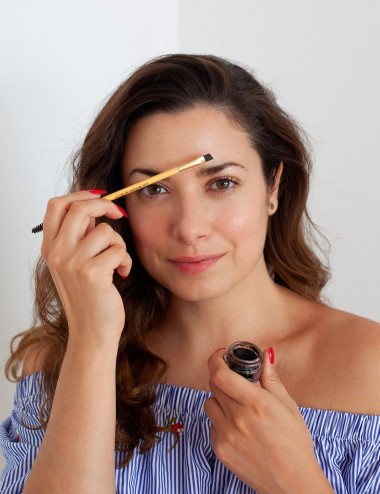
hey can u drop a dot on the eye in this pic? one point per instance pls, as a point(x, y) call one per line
point(153, 190)
point(223, 183)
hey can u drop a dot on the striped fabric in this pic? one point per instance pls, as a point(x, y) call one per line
point(346, 446)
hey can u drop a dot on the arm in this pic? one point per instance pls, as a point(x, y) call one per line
point(78, 450)
point(77, 454)
point(258, 432)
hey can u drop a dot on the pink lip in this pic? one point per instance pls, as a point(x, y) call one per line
point(195, 264)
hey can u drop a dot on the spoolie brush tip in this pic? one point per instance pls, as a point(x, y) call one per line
point(38, 228)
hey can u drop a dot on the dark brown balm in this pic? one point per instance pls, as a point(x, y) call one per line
point(246, 359)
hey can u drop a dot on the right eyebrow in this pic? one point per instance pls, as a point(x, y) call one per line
point(145, 171)
point(203, 171)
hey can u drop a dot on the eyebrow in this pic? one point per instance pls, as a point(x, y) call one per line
point(209, 171)
point(203, 171)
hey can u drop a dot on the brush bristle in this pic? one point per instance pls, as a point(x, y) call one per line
point(38, 228)
point(208, 157)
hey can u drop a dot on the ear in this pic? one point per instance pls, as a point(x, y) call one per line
point(273, 195)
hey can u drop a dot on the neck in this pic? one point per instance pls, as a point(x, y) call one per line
point(253, 312)
point(264, 313)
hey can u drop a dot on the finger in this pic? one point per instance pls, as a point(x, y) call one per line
point(104, 265)
point(90, 226)
point(118, 256)
point(76, 221)
point(57, 209)
point(214, 411)
point(223, 379)
point(101, 238)
point(271, 382)
point(228, 404)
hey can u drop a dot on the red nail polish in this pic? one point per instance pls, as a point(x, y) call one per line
point(271, 355)
point(122, 211)
point(97, 191)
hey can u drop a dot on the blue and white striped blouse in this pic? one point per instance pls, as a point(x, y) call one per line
point(347, 447)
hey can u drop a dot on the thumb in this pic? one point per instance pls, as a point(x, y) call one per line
point(269, 379)
point(271, 382)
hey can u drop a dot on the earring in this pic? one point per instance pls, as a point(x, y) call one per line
point(271, 205)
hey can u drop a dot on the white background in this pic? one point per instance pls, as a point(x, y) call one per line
point(61, 59)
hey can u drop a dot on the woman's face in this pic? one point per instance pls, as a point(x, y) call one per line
point(199, 233)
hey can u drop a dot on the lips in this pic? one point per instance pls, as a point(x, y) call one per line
point(195, 264)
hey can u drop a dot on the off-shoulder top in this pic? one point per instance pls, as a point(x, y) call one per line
point(347, 447)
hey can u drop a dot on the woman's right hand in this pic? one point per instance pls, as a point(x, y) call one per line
point(82, 259)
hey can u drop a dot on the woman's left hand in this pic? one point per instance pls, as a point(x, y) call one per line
point(258, 432)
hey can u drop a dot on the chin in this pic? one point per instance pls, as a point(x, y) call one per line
point(194, 292)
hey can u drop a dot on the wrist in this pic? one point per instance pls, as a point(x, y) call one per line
point(90, 354)
point(89, 339)
point(316, 482)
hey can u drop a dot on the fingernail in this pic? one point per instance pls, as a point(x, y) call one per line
point(223, 348)
point(97, 191)
point(271, 355)
point(122, 211)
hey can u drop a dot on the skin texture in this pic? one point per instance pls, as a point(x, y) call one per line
point(201, 235)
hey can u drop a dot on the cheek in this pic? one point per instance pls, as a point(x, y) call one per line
point(247, 221)
point(148, 234)
point(141, 231)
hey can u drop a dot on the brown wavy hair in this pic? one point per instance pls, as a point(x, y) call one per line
point(176, 83)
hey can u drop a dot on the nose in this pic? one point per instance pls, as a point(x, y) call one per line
point(191, 222)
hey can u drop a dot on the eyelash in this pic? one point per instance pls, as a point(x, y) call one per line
point(234, 181)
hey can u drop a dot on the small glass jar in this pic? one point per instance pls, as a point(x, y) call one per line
point(246, 359)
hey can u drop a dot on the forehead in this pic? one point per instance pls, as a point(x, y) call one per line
point(162, 140)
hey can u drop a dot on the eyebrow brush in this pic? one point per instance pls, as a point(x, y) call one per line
point(145, 183)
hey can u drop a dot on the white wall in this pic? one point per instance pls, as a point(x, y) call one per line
point(59, 61)
point(322, 60)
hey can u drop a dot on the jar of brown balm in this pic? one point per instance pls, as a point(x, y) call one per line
point(246, 359)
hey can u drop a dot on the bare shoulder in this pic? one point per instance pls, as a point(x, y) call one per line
point(352, 333)
point(34, 359)
point(347, 346)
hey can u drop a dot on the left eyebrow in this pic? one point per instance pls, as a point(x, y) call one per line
point(209, 171)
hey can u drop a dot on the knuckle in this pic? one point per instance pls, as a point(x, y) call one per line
point(217, 379)
point(122, 243)
point(119, 249)
point(54, 257)
point(222, 448)
point(54, 203)
point(240, 422)
point(262, 409)
point(230, 439)
point(77, 206)
point(219, 450)
point(90, 273)
point(104, 228)
point(119, 240)
point(57, 260)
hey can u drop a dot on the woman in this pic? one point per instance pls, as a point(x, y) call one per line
point(133, 316)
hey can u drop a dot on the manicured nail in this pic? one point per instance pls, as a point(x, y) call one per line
point(97, 191)
point(122, 211)
point(271, 355)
